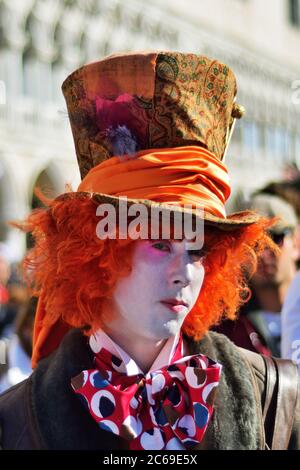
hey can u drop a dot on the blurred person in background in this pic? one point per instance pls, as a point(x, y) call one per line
point(14, 296)
point(258, 327)
point(4, 293)
point(18, 297)
point(17, 365)
point(289, 190)
point(290, 323)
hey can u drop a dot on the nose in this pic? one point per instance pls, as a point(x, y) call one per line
point(180, 270)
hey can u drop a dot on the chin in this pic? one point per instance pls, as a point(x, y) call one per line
point(172, 327)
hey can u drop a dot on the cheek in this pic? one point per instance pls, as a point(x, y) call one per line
point(197, 281)
point(130, 291)
point(122, 291)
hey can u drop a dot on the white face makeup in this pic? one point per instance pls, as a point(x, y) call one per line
point(161, 269)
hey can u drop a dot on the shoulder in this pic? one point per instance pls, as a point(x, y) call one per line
point(13, 398)
point(237, 421)
point(275, 383)
point(220, 347)
point(14, 416)
point(258, 366)
point(239, 364)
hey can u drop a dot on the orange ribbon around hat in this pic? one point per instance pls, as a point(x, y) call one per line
point(177, 176)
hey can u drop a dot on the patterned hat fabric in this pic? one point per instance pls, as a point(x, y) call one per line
point(128, 103)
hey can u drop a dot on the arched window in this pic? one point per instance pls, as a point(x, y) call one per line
point(45, 183)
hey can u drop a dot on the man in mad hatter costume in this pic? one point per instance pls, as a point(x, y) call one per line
point(123, 355)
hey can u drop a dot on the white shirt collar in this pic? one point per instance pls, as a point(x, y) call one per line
point(101, 340)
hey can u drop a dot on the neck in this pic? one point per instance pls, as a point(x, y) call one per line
point(143, 351)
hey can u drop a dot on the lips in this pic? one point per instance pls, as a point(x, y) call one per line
point(176, 306)
point(174, 302)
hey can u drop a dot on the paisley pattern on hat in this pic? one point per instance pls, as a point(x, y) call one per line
point(164, 99)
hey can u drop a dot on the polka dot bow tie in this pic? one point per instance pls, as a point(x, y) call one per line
point(165, 409)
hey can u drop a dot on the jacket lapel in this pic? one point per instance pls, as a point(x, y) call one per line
point(63, 421)
point(235, 424)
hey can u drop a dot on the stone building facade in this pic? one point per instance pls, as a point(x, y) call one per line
point(42, 41)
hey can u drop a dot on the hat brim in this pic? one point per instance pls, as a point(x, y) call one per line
point(231, 222)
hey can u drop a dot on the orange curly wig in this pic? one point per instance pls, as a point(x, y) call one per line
point(76, 271)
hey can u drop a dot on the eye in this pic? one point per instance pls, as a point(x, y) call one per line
point(197, 255)
point(161, 246)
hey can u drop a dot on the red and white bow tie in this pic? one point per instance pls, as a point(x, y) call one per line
point(165, 409)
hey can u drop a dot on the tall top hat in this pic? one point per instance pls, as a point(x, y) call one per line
point(154, 127)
